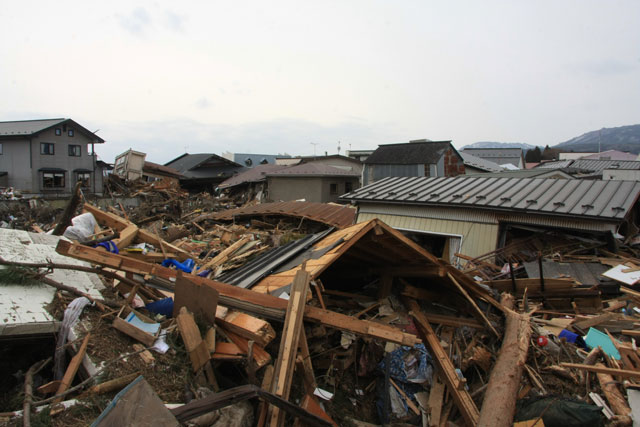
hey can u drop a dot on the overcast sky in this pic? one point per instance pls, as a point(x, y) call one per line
point(277, 76)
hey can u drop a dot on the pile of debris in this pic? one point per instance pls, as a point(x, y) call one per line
point(262, 316)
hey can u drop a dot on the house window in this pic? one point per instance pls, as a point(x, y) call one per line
point(53, 180)
point(85, 177)
point(0, 149)
point(47, 148)
point(333, 188)
point(58, 131)
point(70, 132)
point(75, 150)
point(348, 187)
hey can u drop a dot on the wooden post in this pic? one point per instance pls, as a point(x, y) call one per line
point(616, 400)
point(289, 344)
point(499, 404)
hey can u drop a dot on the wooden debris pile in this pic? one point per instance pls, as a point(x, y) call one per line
point(345, 326)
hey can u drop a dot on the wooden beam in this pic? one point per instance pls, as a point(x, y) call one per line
point(260, 356)
point(463, 400)
point(135, 333)
point(603, 369)
point(473, 304)
point(247, 326)
point(285, 363)
point(127, 236)
point(72, 369)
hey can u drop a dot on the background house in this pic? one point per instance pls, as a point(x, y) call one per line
point(474, 165)
point(334, 160)
point(250, 183)
point(132, 165)
point(501, 156)
point(204, 171)
point(472, 214)
point(49, 156)
point(415, 158)
point(313, 182)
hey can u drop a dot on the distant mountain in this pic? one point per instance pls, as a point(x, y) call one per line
point(623, 138)
point(489, 144)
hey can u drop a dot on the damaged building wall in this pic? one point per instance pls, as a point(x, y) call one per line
point(313, 189)
point(479, 230)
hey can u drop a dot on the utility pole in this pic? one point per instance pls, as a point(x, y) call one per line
point(314, 147)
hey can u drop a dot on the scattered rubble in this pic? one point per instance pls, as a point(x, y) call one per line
point(207, 313)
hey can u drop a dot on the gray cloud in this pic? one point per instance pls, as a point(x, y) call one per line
point(174, 22)
point(136, 22)
point(203, 103)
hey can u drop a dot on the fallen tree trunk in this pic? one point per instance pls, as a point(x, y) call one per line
point(616, 400)
point(500, 397)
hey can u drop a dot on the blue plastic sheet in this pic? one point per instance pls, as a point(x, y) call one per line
point(163, 306)
point(186, 266)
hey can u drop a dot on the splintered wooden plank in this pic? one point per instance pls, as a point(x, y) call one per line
point(127, 236)
point(289, 343)
point(473, 304)
point(464, 402)
point(247, 326)
point(197, 348)
point(260, 356)
point(135, 333)
point(72, 369)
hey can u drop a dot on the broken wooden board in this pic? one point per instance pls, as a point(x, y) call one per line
point(199, 300)
point(246, 326)
point(135, 333)
point(193, 342)
point(73, 367)
point(260, 356)
point(464, 402)
point(285, 363)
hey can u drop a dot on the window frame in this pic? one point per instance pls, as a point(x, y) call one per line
point(53, 176)
point(58, 132)
point(79, 147)
point(86, 179)
point(333, 188)
point(70, 133)
point(348, 187)
point(47, 144)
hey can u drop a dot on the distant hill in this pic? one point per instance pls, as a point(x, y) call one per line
point(489, 144)
point(623, 138)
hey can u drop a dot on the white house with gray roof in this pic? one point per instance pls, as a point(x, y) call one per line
point(48, 157)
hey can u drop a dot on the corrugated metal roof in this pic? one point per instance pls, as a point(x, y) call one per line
point(528, 173)
point(593, 198)
point(600, 165)
point(27, 127)
point(312, 169)
point(500, 156)
point(479, 163)
point(249, 274)
point(255, 174)
point(409, 153)
point(339, 216)
point(591, 165)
